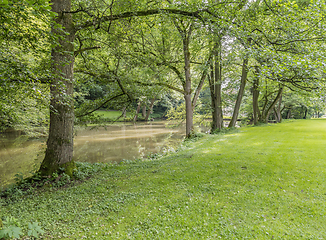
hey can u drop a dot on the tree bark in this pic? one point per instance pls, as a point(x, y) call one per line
point(59, 152)
point(278, 114)
point(268, 111)
point(187, 96)
point(198, 89)
point(240, 93)
point(288, 115)
point(150, 109)
point(187, 84)
point(255, 97)
point(137, 111)
point(144, 111)
point(211, 79)
point(305, 113)
point(216, 89)
point(124, 111)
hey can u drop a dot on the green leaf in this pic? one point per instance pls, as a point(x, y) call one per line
point(11, 232)
point(34, 229)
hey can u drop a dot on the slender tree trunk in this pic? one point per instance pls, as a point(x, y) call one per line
point(124, 111)
point(217, 115)
point(150, 109)
point(255, 97)
point(187, 86)
point(144, 111)
point(240, 93)
point(288, 116)
point(185, 35)
point(275, 114)
point(268, 111)
point(278, 110)
point(215, 86)
point(305, 113)
point(198, 89)
point(59, 150)
point(218, 86)
point(213, 98)
point(137, 111)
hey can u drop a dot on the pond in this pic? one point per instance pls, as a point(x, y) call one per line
point(114, 143)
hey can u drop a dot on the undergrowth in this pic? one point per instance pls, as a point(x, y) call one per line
point(57, 180)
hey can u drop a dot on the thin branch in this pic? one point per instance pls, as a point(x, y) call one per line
point(85, 114)
point(161, 84)
point(85, 49)
point(94, 74)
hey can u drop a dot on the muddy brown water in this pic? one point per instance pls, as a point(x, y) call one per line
point(113, 144)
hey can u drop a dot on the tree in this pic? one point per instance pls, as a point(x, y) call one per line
point(59, 150)
point(177, 58)
point(24, 36)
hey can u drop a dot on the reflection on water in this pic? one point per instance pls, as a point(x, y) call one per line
point(124, 142)
point(115, 143)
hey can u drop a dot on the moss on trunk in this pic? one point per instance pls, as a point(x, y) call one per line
point(48, 169)
point(69, 168)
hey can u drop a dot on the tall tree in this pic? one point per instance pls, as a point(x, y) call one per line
point(59, 151)
point(215, 85)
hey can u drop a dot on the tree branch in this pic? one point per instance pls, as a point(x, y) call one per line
point(85, 114)
point(161, 84)
point(95, 22)
point(85, 49)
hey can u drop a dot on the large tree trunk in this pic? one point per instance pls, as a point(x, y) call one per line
point(59, 150)
point(240, 93)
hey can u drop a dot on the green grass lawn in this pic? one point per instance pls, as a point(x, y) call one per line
point(112, 115)
point(266, 182)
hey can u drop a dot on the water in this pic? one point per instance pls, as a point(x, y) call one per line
point(125, 142)
point(113, 144)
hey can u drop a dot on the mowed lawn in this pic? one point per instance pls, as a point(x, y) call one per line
point(266, 182)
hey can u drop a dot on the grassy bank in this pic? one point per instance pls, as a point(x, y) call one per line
point(265, 182)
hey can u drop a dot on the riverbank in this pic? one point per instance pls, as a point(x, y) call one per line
point(113, 143)
point(265, 182)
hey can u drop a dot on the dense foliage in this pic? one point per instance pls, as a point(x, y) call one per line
point(129, 53)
